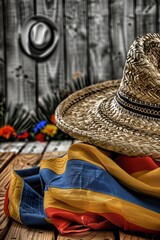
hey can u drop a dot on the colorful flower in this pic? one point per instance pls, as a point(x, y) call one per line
point(39, 126)
point(50, 129)
point(53, 120)
point(23, 135)
point(7, 132)
point(40, 137)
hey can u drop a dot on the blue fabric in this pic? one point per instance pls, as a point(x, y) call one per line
point(32, 212)
point(83, 175)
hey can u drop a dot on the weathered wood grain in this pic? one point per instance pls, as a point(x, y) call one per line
point(11, 147)
point(5, 158)
point(75, 38)
point(34, 147)
point(21, 161)
point(2, 66)
point(58, 146)
point(20, 232)
point(149, 16)
point(52, 155)
point(158, 17)
point(2, 33)
point(20, 68)
point(4, 220)
point(92, 235)
point(8, 151)
point(119, 51)
point(129, 23)
point(139, 17)
point(146, 16)
point(56, 149)
point(94, 39)
point(127, 236)
point(51, 71)
point(99, 40)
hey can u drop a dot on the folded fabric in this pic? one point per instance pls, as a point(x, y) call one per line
point(88, 189)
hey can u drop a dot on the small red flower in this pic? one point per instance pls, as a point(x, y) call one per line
point(53, 120)
point(40, 137)
point(23, 135)
point(7, 132)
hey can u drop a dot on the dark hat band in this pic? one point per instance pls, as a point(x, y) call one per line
point(136, 106)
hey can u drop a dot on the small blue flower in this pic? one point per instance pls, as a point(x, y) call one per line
point(39, 126)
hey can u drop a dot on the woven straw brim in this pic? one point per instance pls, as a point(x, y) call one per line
point(92, 115)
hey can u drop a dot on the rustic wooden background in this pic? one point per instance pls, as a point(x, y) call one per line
point(95, 36)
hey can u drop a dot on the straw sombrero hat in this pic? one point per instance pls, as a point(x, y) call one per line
point(121, 116)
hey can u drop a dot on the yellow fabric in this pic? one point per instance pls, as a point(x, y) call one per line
point(151, 178)
point(67, 199)
point(15, 192)
point(90, 152)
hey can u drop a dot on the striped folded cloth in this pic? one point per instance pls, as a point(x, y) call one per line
point(88, 189)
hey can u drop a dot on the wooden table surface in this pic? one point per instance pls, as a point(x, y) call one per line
point(21, 155)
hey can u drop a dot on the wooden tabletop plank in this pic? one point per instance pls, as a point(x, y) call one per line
point(21, 232)
point(34, 147)
point(59, 146)
point(5, 158)
point(21, 161)
point(92, 235)
point(4, 220)
point(7, 151)
point(11, 147)
point(76, 141)
point(4, 146)
point(56, 149)
point(52, 155)
point(127, 236)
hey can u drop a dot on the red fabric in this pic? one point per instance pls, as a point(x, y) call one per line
point(136, 164)
point(6, 201)
point(68, 222)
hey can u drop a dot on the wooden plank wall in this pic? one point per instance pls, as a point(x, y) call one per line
point(99, 40)
point(75, 38)
point(95, 36)
point(20, 70)
point(50, 73)
point(2, 77)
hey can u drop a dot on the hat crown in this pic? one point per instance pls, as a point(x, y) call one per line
point(141, 76)
point(140, 85)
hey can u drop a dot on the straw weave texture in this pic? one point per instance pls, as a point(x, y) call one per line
point(120, 115)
